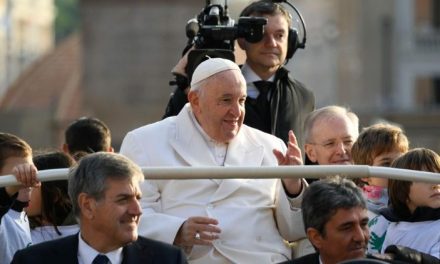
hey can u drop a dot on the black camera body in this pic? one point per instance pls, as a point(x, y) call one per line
point(213, 33)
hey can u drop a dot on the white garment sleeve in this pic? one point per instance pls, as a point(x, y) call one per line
point(15, 234)
point(289, 215)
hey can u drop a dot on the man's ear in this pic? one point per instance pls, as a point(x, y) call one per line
point(315, 237)
point(242, 43)
point(310, 152)
point(65, 148)
point(111, 149)
point(193, 99)
point(87, 205)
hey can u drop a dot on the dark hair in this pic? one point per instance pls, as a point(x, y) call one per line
point(92, 172)
point(12, 146)
point(264, 7)
point(87, 134)
point(421, 159)
point(55, 202)
point(323, 198)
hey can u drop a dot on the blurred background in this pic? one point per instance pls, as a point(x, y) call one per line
point(111, 59)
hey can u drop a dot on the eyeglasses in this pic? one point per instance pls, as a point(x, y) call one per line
point(331, 144)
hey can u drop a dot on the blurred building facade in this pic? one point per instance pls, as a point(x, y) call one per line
point(26, 32)
point(380, 58)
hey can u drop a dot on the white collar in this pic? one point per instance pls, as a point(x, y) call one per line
point(86, 254)
point(217, 149)
point(250, 76)
point(202, 132)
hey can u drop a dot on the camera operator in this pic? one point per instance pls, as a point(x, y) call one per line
point(284, 102)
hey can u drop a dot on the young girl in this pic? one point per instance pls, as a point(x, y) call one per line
point(414, 210)
point(50, 209)
point(377, 145)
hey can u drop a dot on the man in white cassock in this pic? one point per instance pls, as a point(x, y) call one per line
point(218, 221)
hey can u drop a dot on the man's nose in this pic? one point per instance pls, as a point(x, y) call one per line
point(270, 41)
point(360, 234)
point(235, 109)
point(135, 208)
point(341, 148)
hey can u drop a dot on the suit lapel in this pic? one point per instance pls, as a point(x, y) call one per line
point(191, 147)
point(241, 152)
point(136, 253)
point(67, 250)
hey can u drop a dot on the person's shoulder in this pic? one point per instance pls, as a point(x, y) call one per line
point(157, 251)
point(41, 250)
point(258, 135)
point(152, 127)
point(155, 245)
point(307, 259)
point(283, 74)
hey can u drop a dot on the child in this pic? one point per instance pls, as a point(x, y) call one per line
point(15, 158)
point(415, 206)
point(377, 145)
point(50, 212)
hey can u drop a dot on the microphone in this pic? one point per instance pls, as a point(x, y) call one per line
point(192, 28)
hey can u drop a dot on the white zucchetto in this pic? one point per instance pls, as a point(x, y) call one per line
point(210, 67)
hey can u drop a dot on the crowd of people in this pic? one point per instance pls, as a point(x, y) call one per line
point(107, 213)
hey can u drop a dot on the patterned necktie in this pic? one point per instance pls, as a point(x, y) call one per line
point(101, 259)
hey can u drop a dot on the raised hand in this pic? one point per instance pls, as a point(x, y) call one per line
point(291, 157)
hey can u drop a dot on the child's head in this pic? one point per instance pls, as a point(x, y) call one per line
point(50, 204)
point(13, 151)
point(87, 135)
point(379, 145)
point(406, 196)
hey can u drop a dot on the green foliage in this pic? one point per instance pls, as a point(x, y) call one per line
point(67, 18)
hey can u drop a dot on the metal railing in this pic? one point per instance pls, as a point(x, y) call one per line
point(313, 171)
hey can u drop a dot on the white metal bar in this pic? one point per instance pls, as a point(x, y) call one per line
point(312, 171)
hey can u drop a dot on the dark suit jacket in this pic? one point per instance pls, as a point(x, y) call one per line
point(65, 251)
point(290, 103)
point(307, 259)
point(314, 259)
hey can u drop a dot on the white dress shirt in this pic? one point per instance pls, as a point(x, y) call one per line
point(250, 76)
point(86, 254)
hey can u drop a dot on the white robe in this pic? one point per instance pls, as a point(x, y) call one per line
point(422, 236)
point(253, 214)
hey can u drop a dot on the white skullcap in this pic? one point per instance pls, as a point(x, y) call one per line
point(210, 67)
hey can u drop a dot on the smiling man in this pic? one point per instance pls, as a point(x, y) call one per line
point(205, 217)
point(329, 135)
point(276, 102)
point(105, 192)
point(335, 220)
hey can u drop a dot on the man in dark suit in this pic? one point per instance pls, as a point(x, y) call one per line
point(104, 188)
point(276, 102)
point(336, 221)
